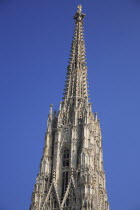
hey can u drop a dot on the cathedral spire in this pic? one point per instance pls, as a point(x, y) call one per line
point(71, 172)
point(76, 80)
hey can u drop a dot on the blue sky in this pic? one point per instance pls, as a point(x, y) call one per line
point(35, 39)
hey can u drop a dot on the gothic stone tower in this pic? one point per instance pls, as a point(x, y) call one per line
point(71, 175)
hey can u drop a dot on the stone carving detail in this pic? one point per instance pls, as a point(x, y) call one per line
point(71, 175)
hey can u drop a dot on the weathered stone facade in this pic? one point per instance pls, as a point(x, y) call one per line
point(71, 172)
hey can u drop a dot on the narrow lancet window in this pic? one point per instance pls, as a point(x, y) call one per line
point(65, 171)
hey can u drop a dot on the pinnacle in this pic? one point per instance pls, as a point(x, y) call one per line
point(76, 80)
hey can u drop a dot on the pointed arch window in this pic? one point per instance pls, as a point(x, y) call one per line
point(65, 170)
point(52, 204)
point(66, 158)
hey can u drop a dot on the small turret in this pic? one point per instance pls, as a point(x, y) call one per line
point(50, 119)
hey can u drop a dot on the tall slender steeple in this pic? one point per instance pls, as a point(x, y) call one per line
point(76, 84)
point(71, 175)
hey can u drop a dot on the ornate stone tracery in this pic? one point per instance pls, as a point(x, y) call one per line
point(71, 173)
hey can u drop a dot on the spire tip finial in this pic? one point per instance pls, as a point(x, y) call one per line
point(79, 8)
